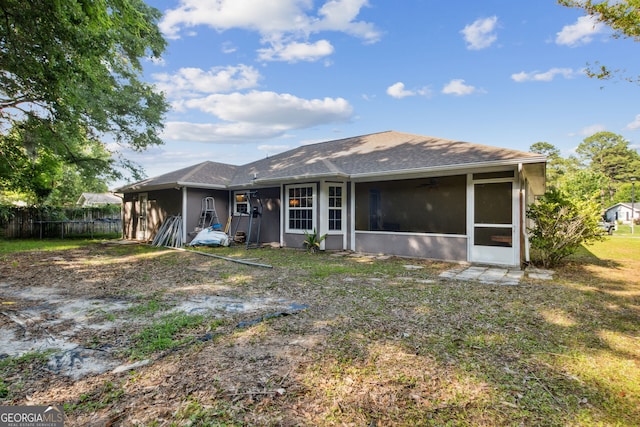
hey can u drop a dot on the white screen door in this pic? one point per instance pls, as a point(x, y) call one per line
point(493, 229)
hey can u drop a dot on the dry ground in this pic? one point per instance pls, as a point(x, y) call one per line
point(367, 341)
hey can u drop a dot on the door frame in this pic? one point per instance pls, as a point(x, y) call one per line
point(142, 232)
point(509, 256)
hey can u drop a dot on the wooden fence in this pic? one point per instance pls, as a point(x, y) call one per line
point(59, 222)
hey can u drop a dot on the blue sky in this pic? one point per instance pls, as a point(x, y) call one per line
point(251, 78)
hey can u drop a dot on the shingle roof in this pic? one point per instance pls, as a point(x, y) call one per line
point(205, 174)
point(382, 153)
point(379, 153)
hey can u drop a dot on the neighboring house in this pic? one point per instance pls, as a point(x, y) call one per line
point(388, 192)
point(89, 200)
point(623, 212)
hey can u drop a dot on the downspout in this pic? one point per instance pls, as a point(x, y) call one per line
point(527, 257)
point(283, 217)
point(323, 207)
point(184, 214)
point(523, 215)
point(352, 215)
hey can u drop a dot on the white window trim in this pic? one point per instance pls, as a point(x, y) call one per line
point(314, 208)
point(235, 203)
point(326, 208)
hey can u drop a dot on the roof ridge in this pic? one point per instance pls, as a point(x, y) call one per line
point(196, 168)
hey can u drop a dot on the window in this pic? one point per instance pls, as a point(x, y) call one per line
point(336, 204)
point(241, 203)
point(300, 207)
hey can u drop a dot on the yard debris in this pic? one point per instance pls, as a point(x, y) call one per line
point(130, 366)
point(239, 261)
point(170, 233)
point(293, 309)
point(210, 237)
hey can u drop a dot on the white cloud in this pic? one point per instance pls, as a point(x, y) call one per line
point(279, 22)
point(217, 132)
point(188, 82)
point(256, 15)
point(397, 90)
point(635, 124)
point(459, 88)
point(546, 76)
point(581, 32)
point(256, 115)
point(228, 47)
point(340, 15)
point(274, 109)
point(294, 52)
point(481, 33)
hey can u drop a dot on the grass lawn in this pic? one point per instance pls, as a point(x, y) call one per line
point(379, 345)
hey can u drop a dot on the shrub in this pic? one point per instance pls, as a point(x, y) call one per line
point(312, 240)
point(560, 226)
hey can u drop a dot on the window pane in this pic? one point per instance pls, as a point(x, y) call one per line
point(490, 236)
point(300, 208)
point(494, 175)
point(493, 203)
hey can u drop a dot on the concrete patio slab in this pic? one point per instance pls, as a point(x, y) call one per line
point(496, 275)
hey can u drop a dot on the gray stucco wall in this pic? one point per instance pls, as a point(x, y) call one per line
point(334, 242)
point(270, 220)
point(161, 204)
point(449, 248)
point(194, 207)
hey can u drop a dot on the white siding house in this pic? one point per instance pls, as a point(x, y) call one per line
point(623, 212)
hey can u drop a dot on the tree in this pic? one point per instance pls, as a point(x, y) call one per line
point(561, 224)
point(623, 16)
point(42, 167)
point(70, 78)
point(556, 165)
point(609, 155)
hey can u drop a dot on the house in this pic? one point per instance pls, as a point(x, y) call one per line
point(623, 212)
point(88, 200)
point(387, 192)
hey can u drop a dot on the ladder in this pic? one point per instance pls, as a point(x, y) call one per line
point(208, 214)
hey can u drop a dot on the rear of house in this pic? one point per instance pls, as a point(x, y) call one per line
point(388, 192)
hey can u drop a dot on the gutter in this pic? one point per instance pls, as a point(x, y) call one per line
point(461, 166)
point(169, 185)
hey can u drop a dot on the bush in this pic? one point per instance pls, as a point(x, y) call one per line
point(560, 226)
point(312, 241)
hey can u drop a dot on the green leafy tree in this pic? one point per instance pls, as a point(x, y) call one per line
point(626, 192)
point(71, 78)
point(623, 16)
point(561, 224)
point(583, 184)
point(52, 172)
point(556, 165)
point(609, 155)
